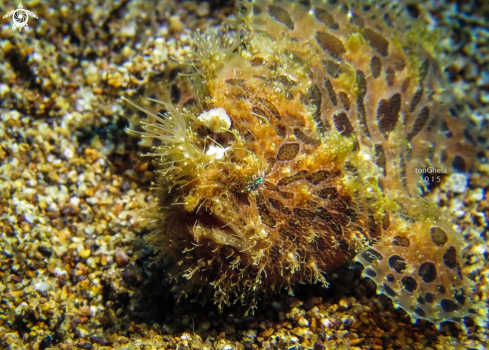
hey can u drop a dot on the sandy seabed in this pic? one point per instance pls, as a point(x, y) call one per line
point(75, 272)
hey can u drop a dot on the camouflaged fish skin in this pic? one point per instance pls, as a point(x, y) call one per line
point(333, 106)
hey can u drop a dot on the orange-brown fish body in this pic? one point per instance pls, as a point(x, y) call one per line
point(303, 152)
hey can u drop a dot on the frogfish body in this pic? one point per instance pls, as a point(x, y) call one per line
point(301, 153)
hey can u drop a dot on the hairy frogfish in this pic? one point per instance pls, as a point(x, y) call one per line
point(296, 147)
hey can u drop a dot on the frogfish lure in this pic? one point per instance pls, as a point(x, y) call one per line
point(294, 150)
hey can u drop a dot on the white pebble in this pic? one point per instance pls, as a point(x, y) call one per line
point(29, 191)
point(477, 195)
point(58, 272)
point(93, 310)
point(75, 201)
point(456, 183)
point(89, 229)
point(4, 89)
point(68, 153)
point(42, 286)
point(326, 322)
point(30, 218)
point(129, 30)
point(92, 200)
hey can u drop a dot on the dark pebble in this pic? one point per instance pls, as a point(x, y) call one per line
point(45, 251)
